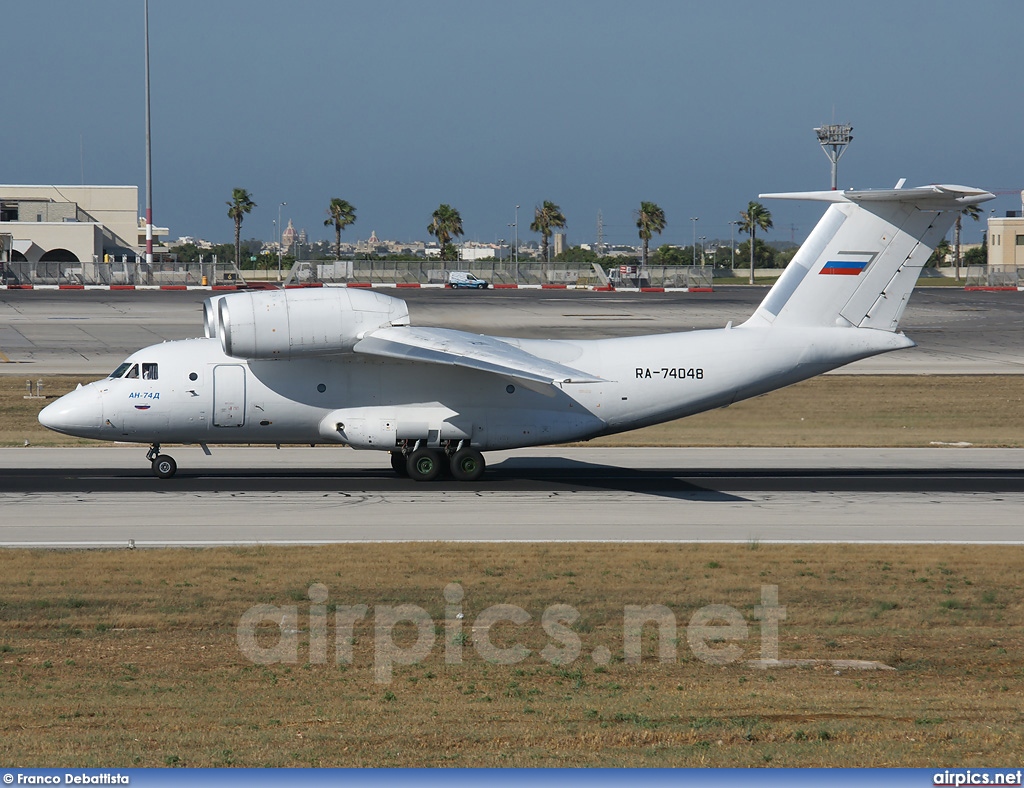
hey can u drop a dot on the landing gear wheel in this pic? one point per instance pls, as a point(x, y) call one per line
point(399, 463)
point(424, 465)
point(164, 466)
point(467, 465)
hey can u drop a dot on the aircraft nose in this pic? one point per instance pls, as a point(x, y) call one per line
point(74, 413)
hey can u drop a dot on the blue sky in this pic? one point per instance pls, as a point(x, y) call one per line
point(398, 105)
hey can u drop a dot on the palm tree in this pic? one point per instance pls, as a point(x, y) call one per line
point(755, 216)
point(238, 206)
point(545, 217)
point(974, 213)
point(341, 214)
point(446, 224)
point(939, 254)
point(649, 219)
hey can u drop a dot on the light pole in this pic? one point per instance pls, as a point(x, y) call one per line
point(833, 138)
point(280, 235)
point(511, 252)
point(732, 242)
point(149, 155)
point(694, 219)
point(515, 226)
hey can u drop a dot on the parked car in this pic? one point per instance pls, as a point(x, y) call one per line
point(464, 279)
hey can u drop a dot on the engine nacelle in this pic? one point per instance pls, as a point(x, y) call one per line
point(382, 427)
point(283, 324)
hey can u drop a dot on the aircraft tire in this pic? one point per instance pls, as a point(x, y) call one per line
point(399, 463)
point(467, 465)
point(424, 465)
point(164, 466)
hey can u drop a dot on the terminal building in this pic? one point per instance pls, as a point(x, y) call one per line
point(60, 231)
point(1006, 240)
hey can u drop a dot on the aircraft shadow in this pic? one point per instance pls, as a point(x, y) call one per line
point(526, 474)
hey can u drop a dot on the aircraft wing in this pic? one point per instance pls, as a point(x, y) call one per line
point(473, 351)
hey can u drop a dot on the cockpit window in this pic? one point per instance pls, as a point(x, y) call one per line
point(131, 371)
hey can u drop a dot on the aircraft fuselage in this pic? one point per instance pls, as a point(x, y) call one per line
point(201, 395)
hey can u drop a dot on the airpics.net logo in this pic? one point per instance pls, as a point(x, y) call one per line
point(271, 634)
point(956, 778)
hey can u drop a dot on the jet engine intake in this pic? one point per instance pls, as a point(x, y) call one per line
point(284, 324)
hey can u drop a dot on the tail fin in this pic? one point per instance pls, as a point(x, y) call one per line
point(859, 265)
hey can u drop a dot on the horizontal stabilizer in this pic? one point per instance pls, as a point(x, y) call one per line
point(937, 196)
point(472, 351)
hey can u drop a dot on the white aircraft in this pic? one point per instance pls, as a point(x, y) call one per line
point(339, 365)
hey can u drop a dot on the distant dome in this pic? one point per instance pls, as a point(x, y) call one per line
point(288, 236)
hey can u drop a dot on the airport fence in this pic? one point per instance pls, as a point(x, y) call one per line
point(989, 276)
point(423, 272)
point(126, 271)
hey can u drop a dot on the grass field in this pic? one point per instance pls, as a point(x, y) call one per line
point(131, 658)
point(832, 410)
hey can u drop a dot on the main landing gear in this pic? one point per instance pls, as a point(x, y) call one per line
point(164, 465)
point(421, 464)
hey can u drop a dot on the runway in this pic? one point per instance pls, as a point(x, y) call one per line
point(108, 498)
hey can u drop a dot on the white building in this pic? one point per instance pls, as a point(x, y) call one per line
point(73, 224)
point(1006, 241)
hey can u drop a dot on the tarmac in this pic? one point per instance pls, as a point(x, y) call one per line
point(107, 497)
point(90, 332)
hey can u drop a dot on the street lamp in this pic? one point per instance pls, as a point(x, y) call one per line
point(694, 219)
point(280, 235)
point(149, 154)
point(732, 241)
point(516, 226)
point(511, 253)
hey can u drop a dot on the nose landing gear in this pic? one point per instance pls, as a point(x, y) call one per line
point(163, 465)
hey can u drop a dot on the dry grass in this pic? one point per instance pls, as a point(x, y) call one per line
point(833, 410)
point(130, 658)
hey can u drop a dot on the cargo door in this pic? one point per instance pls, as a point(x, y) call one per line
point(228, 395)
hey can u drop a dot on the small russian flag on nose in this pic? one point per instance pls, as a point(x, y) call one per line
point(843, 268)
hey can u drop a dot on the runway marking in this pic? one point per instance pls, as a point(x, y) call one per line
point(318, 542)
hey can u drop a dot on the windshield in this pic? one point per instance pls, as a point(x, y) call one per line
point(119, 372)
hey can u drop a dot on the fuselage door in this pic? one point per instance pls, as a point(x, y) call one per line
point(228, 395)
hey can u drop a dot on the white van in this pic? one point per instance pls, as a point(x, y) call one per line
point(464, 279)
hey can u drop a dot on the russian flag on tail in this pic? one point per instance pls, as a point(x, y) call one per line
point(843, 268)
